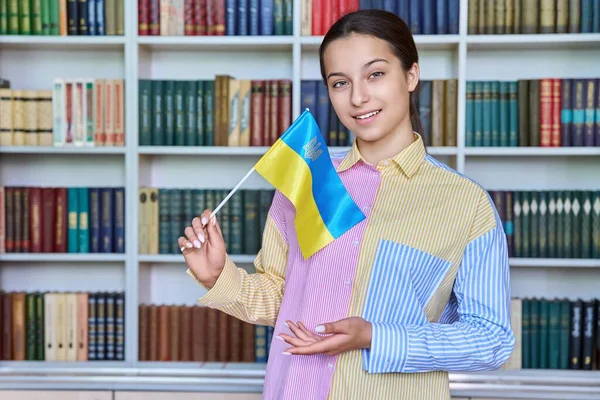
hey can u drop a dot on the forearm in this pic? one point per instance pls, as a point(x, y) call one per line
point(254, 298)
point(472, 345)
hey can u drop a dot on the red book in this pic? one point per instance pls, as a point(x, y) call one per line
point(545, 112)
point(317, 17)
point(35, 219)
point(189, 17)
point(61, 210)
point(143, 17)
point(154, 17)
point(556, 111)
point(257, 120)
point(200, 18)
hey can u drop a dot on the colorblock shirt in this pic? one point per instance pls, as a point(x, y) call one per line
point(428, 268)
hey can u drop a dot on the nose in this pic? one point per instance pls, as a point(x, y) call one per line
point(360, 94)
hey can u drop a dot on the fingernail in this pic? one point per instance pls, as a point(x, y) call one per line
point(214, 221)
point(204, 221)
point(285, 353)
point(196, 244)
point(182, 248)
point(280, 338)
point(286, 324)
point(200, 236)
point(188, 245)
point(320, 329)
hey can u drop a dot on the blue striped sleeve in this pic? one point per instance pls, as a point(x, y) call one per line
point(474, 332)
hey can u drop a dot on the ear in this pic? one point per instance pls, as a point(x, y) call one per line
point(412, 77)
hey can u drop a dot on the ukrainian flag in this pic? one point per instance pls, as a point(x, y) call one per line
point(300, 167)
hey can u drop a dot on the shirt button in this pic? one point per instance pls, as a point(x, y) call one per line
point(356, 242)
point(386, 162)
point(348, 281)
point(330, 365)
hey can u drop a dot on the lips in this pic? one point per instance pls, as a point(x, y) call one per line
point(366, 115)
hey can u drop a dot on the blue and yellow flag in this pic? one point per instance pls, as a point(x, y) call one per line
point(298, 164)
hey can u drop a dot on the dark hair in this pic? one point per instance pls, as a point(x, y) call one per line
point(385, 26)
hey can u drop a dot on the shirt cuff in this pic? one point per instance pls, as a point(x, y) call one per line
point(226, 288)
point(389, 348)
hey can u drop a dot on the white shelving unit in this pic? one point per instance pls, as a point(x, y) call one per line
point(33, 62)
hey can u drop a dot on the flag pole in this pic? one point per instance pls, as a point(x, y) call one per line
point(216, 210)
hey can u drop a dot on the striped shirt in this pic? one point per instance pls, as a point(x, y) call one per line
point(428, 268)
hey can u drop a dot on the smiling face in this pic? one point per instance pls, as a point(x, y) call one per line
point(368, 87)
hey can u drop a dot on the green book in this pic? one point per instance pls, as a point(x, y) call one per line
point(535, 339)
point(513, 107)
point(145, 113)
point(526, 224)
point(517, 224)
point(554, 334)
point(199, 113)
point(24, 17)
point(83, 232)
point(179, 121)
point(585, 222)
point(552, 225)
point(190, 110)
point(40, 345)
point(595, 216)
point(236, 222)
point(544, 332)
point(169, 110)
point(470, 114)
point(542, 227)
point(3, 17)
point(13, 17)
point(198, 201)
point(36, 17)
point(569, 224)
point(526, 333)
point(495, 113)
point(478, 114)
point(565, 333)
point(164, 222)
point(487, 104)
point(158, 121)
point(45, 12)
point(534, 216)
point(30, 331)
point(209, 113)
point(251, 235)
point(54, 18)
point(188, 209)
point(504, 114)
point(73, 220)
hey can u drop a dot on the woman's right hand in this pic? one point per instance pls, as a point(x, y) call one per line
point(204, 249)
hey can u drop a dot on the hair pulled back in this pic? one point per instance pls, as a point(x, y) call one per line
point(386, 26)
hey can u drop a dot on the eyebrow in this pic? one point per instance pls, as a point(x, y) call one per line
point(368, 64)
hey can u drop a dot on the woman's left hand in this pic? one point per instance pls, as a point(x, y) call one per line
point(343, 335)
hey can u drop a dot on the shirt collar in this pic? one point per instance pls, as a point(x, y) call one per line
point(408, 160)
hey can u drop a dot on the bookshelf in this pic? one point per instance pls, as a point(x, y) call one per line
point(32, 62)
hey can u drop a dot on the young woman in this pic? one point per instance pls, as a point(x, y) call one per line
point(417, 289)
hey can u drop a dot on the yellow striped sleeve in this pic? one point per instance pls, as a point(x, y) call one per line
point(485, 218)
point(255, 297)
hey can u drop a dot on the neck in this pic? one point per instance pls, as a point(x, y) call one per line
point(388, 146)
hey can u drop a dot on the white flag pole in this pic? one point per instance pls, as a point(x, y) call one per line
point(216, 210)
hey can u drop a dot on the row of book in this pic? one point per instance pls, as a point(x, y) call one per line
point(431, 17)
point(62, 219)
point(548, 112)
point(168, 332)
point(164, 213)
point(62, 326)
point(222, 112)
point(215, 17)
point(497, 17)
point(550, 223)
point(556, 333)
point(62, 17)
point(76, 112)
